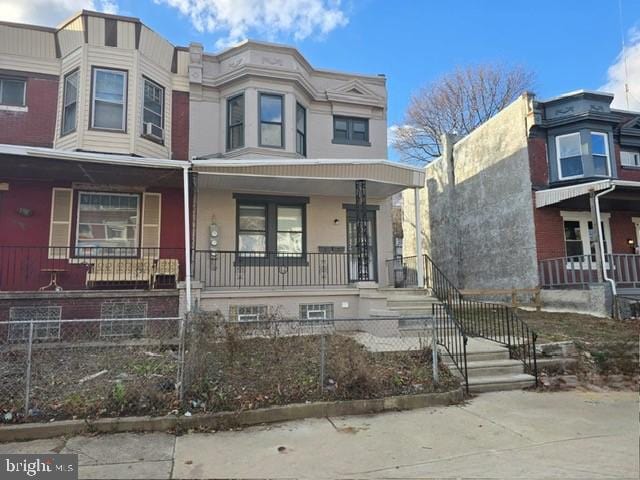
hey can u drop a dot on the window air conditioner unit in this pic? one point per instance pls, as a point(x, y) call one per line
point(152, 130)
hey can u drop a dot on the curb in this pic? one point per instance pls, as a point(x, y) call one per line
point(222, 420)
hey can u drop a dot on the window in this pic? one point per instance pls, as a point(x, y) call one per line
point(349, 130)
point(313, 311)
point(579, 236)
point(107, 224)
point(301, 130)
point(600, 153)
point(271, 131)
point(248, 313)
point(252, 230)
point(70, 102)
point(109, 98)
point(569, 152)
point(271, 225)
point(152, 111)
point(118, 312)
point(13, 92)
point(289, 241)
point(46, 324)
point(235, 122)
point(629, 158)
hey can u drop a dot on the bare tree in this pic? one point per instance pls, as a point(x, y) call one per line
point(457, 103)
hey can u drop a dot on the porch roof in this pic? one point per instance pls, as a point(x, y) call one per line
point(553, 196)
point(311, 176)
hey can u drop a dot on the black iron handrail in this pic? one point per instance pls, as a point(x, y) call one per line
point(496, 322)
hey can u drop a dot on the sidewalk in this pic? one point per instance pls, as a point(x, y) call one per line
point(497, 435)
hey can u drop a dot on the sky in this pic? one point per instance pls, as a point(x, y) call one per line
point(568, 44)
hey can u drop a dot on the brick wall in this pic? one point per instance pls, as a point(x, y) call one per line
point(625, 173)
point(622, 229)
point(549, 233)
point(180, 125)
point(538, 165)
point(36, 126)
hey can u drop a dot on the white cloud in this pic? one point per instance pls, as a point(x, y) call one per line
point(616, 74)
point(50, 12)
point(268, 18)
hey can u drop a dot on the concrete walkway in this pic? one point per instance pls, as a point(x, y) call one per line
point(498, 435)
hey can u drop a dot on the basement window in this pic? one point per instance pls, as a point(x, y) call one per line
point(46, 324)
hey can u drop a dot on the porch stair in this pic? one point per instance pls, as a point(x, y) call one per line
point(490, 369)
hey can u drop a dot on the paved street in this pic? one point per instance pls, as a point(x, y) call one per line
point(496, 435)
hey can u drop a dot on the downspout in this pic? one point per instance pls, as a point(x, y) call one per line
point(187, 236)
point(601, 240)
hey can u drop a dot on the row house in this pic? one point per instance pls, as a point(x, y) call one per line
point(140, 179)
point(514, 203)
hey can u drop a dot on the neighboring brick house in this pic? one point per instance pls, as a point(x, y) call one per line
point(513, 204)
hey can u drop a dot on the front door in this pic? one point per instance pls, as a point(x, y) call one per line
point(352, 245)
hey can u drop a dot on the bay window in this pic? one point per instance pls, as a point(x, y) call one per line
point(301, 130)
point(271, 119)
point(70, 102)
point(107, 224)
point(600, 153)
point(235, 122)
point(108, 99)
point(569, 152)
point(152, 110)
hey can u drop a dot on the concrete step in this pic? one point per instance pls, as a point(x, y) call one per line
point(494, 383)
point(411, 302)
point(486, 368)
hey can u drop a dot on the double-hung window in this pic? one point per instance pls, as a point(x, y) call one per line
point(235, 122)
point(271, 228)
point(70, 102)
point(600, 153)
point(351, 130)
point(153, 110)
point(109, 98)
point(271, 115)
point(301, 130)
point(107, 224)
point(13, 92)
point(569, 152)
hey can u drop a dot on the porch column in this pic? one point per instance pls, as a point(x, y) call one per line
point(362, 233)
point(187, 236)
point(419, 259)
point(597, 230)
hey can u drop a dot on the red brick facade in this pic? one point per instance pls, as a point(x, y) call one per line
point(36, 126)
point(537, 147)
point(625, 173)
point(180, 125)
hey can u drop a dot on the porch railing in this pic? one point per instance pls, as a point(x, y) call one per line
point(71, 268)
point(580, 271)
point(496, 322)
point(231, 269)
point(402, 272)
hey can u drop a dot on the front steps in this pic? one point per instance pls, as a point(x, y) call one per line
point(489, 367)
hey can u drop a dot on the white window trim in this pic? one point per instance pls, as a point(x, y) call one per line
point(606, 149)
point(65, 104)
point(146, 80)
point(24, 94)
point(584, 218)
point(636, 222)
point(138, 225)
point(124, 99)
point(559, 163)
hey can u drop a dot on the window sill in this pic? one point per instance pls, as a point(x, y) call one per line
point(630, 167)
point(347, 142)
point(12, 108)
point(107, 130)
point(158, 141)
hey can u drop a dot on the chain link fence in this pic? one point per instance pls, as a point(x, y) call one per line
point(87, 368)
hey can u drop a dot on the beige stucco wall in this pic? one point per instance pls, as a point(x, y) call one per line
point(255, 68)
point(219, 207)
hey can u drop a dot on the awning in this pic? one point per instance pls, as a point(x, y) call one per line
point(317, 176)
point(552, 196)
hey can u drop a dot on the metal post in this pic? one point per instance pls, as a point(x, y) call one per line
point(362, 230)
point(419, 260)
point(27, 390)
point(596, 236)
point(434, 352)
point(187, 236)
point(322, 360)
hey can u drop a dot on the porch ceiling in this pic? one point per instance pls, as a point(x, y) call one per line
point(310, 177)
point(626, 196)
point(13, 167)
